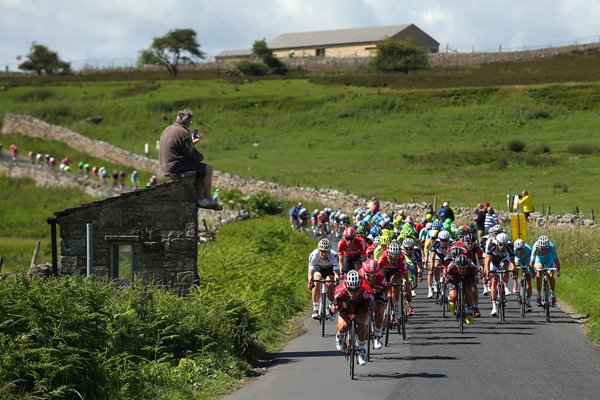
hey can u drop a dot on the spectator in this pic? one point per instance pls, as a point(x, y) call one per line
point(445, 212)
point(135, 180)
point(152, 181)
point(14, 152)
point(177, 154)
point(490, 219)
point(479, 219)
point(526, 203)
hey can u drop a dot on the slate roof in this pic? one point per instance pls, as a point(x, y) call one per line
point(338, 36)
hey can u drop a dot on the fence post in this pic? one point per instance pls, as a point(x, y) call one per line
point(593, 217)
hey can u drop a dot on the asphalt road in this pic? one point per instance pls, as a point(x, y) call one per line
point(522, 358)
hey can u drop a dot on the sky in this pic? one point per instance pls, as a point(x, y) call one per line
point(112, 32)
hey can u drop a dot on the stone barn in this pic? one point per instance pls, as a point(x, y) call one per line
point(149, 234)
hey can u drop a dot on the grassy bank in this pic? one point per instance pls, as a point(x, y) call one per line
point(65, 336)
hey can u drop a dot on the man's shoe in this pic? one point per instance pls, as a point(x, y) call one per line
point(430, 293)
point(539, 301)
point(506, 291)
point(377, 343)
point(315, 314)
point(486, 291)
point(413, 293)
point(494, 312)
point(451, 307)
point(553, 300)
point(529, 308)
point(477, 313)
point(340, 342)
point(362, 357)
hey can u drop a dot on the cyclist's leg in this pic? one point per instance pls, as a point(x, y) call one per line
point(361, 325)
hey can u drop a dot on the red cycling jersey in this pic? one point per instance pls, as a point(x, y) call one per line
point(380, 285)
point(354, 249)
point(397, 264)
point(362, 301)
point(370, 250)
point(468, 275)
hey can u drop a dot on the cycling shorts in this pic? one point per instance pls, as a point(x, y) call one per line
point(349, 263)
point(541, 265)
point(325, 272)
point(389, 272)
point(504, 262)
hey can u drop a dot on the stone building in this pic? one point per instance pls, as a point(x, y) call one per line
point(149, 234)
point(340, 43)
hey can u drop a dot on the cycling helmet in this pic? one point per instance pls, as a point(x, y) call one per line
point(428, 216)
point(370, 266)
point(433, 233)
point(353, 280)
point(462, 232)
point(462, 261)
point(502, 238)
point(393, 250)
point(470, 238)
point(376, 241)
point(543, 242)
point(408, 243)
point(316, 211)
point(374, 230)
point(437, 224)
point(349, 232)
point(324, 244)
point(519, 244)
point(496, 229)
point(444, 235)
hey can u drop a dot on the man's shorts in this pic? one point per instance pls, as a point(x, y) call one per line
point(192, 165)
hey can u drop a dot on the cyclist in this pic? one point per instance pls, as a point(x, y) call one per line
point(543, 255)
point(492, 232)
point(371, 247)
point(522, 259)
point(303, 218)
point(461, 268)
point(438, 250)
point(313, 220)
point(353, 291)
point(393, 266)
point(475, 254)
point(371, 273)
point(323, 222)
point(412, 254)
point(497, 257)
point(294, 215)
point(322, 264)
point(351, 250)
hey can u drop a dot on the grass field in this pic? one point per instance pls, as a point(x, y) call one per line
point(393, 143)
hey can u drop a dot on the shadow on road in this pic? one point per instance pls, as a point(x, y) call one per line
point(398, 375)
point(292, 356)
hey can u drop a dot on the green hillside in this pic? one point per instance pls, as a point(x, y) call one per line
point(400, 144)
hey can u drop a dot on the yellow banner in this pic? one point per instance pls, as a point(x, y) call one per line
point(518, 227)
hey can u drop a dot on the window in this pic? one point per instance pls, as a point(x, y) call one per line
point(320, 52)
point(122, 261)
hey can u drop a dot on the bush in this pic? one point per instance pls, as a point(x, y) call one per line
point(517, 146)
point(396, 56)
point(580, 148)
point(538, 113)
point(250, 68)
point(539, 148)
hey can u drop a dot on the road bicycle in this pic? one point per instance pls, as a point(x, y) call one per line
point(501, 295)
point(390, 319)
point(522, 293)
point(323, 301)
point(370, 334)
point(546, 292)
point(460, 304)
point(351, 352)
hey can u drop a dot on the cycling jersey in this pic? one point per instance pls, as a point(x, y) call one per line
point(342, 300)
point(498, 257)
point(523, 259)
point(354, 249)
point(390, 267)
point(379, 287)
point(544, 259)
point(454, 274)
point(315, 261)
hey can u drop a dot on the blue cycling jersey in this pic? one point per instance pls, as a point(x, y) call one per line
point(523, 259)
point(547, 258)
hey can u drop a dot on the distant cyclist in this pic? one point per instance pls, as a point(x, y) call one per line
point(352, 250)
point(497, 257)
point(543, 255)
point(522, 260)
point(393, 265)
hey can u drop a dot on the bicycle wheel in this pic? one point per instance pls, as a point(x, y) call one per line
point(401, 318)
point(546, 298)
point(461, 313)
point(387, 320)
point(369, 336)
point(523, 294)
point(323, 310)
point(502, 303)
point(352, 346)
point(443, 300)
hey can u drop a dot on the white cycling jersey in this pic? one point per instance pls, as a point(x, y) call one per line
point(315, 260)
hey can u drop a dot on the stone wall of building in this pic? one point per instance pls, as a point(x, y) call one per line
point(159, 222)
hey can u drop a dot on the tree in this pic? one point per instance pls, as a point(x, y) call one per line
point(393, 55)
point(261, 51)
point(40, 59)
point(178, 46)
